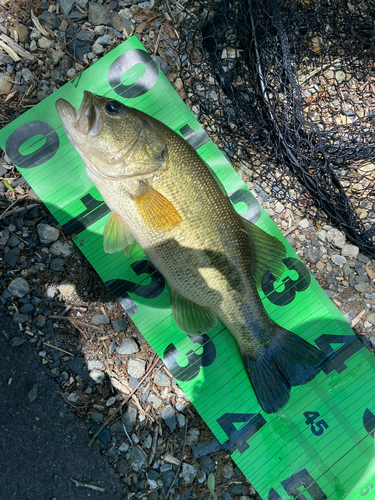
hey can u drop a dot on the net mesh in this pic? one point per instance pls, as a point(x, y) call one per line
point(286, 90)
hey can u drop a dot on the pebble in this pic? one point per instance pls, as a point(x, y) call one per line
point(20, 318)
point(339, 260)
point(237, 489)
point(129, 418)
point(336, 237)
point(169, 416)
point(206, 448)
point(66, 289)
point(45, 43)
point(136, 367)
point(93, 364)
point(128, 346)
point(57, 264)
point(181, 420)
point(137, 459)
point(17, 341)
point(350, 251)
point(19, 287)
point(50, 20)
point(47, 234)
point(188, 473)
point(97, 376)
point(11, 257)
point(104, 435)
point(119, 325)
point(192, 436)
point(99, 14)
point(99, 319)
point(161, 379)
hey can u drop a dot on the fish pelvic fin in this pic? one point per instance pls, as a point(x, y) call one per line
point(268, 252)
point(156, 211)
point(190, 317)
point(288, 360)
point(117, 235)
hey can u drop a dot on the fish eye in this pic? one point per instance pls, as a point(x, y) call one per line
point(113, 107)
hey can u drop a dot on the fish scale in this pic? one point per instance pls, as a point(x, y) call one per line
point(163, 195)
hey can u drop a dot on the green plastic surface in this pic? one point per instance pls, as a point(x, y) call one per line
point(321, 445)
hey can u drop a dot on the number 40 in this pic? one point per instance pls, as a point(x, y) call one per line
point(318, 427)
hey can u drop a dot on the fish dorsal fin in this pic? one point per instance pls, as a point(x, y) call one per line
point(117, 235)
point(268, 252)
point(190, 317)
point(156, 211)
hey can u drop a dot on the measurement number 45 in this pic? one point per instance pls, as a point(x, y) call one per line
point(317, 427)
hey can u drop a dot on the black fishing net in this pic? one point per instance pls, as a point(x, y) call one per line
point(287, 91)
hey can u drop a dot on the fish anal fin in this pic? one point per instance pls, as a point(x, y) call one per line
point(116, 235)
point(190, 317)
point(267, 252)
point(156, 211)
point(288, 360)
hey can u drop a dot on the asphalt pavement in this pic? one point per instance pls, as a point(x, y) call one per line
point(42, 444)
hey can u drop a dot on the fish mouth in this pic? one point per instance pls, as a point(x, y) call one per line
point(86, 120)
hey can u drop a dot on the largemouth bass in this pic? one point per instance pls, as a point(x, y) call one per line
point(163, 196)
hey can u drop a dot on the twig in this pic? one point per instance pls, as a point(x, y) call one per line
point(10, 206)
point(126, 433)
point(152, 366)
point(154, 443)
point(10, 51)
point(82, 323)
point(86, 485)
point(70, 403)
point(14, 46)
point(357, 318)
point(290, 230)
point(179, 465)
point(6, 336)
point(58, 348)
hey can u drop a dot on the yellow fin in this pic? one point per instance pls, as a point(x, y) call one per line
point(157, 212)
point(117, 235)
point(268, 252)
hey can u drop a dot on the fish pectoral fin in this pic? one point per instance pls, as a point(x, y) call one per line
point(157, 212)
point(117, 235)
point(190, 317)
point(268, 252)
point(287, 360)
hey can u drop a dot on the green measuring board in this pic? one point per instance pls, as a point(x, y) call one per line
point(322, 443)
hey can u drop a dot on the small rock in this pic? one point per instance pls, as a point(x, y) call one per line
point(237, 489)
point(11, 257)
point(156, 402)
point(124, 447)
point(128, 346)
point(78, 49)
point(207, 464)
point(27, 308)
point(136, 367)
point(228, 470)
point(339, 260)
point(206, 448)
point(47, 234)
point(137, 459)
point(147, 442)
point(33, 392)
point(16, 341)
point(169, 416)
point(279, 207)
point(161, 64)
point(226, 496)
point(94, 364)
point(321, 234)
point(336, 237)
point(162, 380)
point(97, 417)
point(5, 83)
point(99, 14)
point(361, 287)
point(121, 24)
point(304, 223)
point(51, 293)
point(192, 436)
point(85, 35)
point(188, 473)
point(19, 287)
point(20, 318)
point(350, 251)
point(97, 49)
point(112, 348)
point(122, 467)
point(97, 376)
point(45, 43)
point(57, 264)
point(26, 74)
point(105, 40)
point(119, 325)
point(372, 341)
point(201, 476)
point(99, 319)
point(181, 420)
point(129, 418)
point(50, 20)
point(104, 435)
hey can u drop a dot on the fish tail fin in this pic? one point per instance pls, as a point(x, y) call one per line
point(287, 360)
